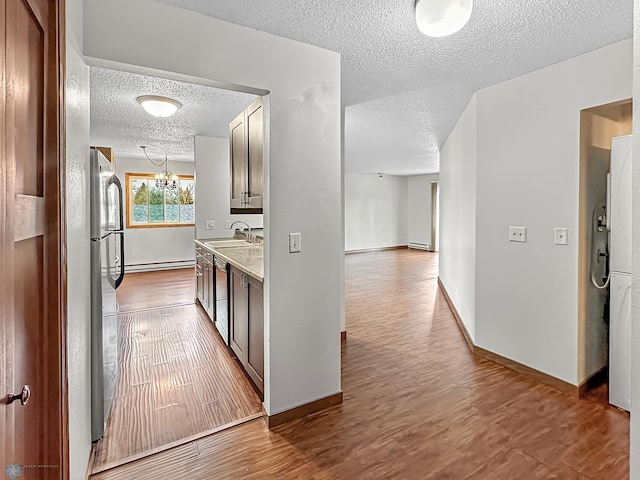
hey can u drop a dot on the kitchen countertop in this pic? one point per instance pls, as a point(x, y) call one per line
point(246, 257)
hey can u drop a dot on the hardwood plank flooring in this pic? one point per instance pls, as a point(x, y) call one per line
point(176, 378)
point(417, 405)
point(162, 288)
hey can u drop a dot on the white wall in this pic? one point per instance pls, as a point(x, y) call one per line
point(78, 256)
point(213, 171)
point(457, 258)
point(302, 171)
point(419, 209)
point(528, 138)
point(375, 211)
point(154, 248)
point(635, 277)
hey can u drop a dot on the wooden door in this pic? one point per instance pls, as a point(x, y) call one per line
point(31, 285)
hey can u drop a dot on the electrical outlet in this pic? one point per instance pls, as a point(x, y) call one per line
point(210, 225)
point(517, 234)
point(560, 236)
point(227, 224)
point(294, 243)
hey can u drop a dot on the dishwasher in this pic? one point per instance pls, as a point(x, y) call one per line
point(221, 292)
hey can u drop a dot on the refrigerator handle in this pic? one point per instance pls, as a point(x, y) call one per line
point(116, 181)
point(121, 276)
point(120, 231)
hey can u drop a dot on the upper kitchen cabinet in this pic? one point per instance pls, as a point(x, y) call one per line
point(246, 143)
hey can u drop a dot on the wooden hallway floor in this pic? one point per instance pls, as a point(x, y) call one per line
point(417, 405)
point(176, 378)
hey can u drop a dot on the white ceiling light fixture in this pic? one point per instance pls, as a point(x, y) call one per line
point(439, 18)
point(159, 106)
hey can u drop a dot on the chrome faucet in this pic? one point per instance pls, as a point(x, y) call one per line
point(250, 236)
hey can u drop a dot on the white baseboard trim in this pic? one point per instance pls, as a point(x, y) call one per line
point(420, 246)
point(150, 267)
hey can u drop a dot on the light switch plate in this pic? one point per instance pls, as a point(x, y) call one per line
point(517, 234)
point(560, 236)
point(294, 242)
point(210, 225)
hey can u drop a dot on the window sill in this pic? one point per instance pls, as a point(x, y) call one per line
point(160, 225)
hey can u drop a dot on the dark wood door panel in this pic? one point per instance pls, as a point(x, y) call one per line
point(26, 89)
point(30, 240)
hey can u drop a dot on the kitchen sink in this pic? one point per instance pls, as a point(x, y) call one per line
point(227, 242)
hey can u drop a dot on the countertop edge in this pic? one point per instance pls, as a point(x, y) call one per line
point(231, 261)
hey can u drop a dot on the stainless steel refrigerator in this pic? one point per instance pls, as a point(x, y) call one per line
point(107, 272)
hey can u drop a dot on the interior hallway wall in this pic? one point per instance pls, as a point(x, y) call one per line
point(376, 211)
point(528, 140)
point(76, 96)
point(457, 257)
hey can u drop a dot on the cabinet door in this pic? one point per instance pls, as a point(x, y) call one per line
point(238, 156)
point(238, 335)
point(205, 286)
point(211, 289)
point(199, 276)
point(255, 139)
point(255, 346)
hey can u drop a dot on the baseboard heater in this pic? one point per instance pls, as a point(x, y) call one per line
point(149, 267)
point(420, 246)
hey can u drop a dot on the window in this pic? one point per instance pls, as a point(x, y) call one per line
point(152, 206)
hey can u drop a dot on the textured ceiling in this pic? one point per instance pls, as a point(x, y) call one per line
point(404, 91)
point(118, 120)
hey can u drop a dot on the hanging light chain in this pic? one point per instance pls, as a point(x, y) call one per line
point(165, 179)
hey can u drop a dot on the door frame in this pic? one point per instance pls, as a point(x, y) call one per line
point(61, 14)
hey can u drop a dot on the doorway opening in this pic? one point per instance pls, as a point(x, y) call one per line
point(176, 377)
point(599, 312)
point(435, 216)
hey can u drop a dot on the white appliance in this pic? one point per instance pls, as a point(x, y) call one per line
point(107, 272)
point(619, 212)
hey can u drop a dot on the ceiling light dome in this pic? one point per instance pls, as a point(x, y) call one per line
point(159, 106)
point(439, 18)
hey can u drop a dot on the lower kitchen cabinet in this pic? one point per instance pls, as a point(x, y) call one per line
point(199, 275)
point(209, 279)
point(247, 324)
point(205, 280)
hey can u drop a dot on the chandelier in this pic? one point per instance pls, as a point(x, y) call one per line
point(165, 179)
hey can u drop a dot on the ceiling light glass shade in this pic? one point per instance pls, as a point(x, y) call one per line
point(439, 18)
point(159, 106)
